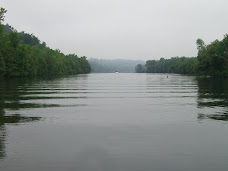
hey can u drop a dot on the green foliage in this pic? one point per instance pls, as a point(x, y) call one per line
point(2, 66)
point(179, 65)
point(28, 39)
point(23, 55)
point(213, 59)
point(84, 65)
point(200, 44)
point(140, 68)
point(2, 14)
point(23, 37)
point(8, 29)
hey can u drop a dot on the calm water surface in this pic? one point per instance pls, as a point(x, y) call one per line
point(114, 122)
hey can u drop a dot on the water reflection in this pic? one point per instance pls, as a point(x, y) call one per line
point(9, 94)
point(30, 93)
point(130, 122)
point(12, 119)
point(213, 98)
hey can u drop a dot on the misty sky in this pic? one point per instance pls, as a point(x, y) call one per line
point(127, 29)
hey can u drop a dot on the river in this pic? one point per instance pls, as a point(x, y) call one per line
point(114, 122)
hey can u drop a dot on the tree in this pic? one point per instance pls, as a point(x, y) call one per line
point(8, 29)
point(2, 67)
point(86, 68)
point(213, 58)
point(29, 39)
point(179, 65)
point(151, 66)
point(200, 44)
point(2, 14)
point(22, 54)
point(139, 68)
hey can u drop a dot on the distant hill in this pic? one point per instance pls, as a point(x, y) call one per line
point(111, 65)
point(23, 55)
point(8, 29)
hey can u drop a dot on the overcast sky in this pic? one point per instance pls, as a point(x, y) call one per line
point(127, 29)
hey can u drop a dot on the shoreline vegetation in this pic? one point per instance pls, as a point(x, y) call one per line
point(23, 55)
point(211, 61)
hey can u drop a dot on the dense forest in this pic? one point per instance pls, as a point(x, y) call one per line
point(180, 65)
point(111, 65)
point(23, 54)
point(212, 60)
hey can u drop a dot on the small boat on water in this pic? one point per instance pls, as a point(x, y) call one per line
point(116, 72)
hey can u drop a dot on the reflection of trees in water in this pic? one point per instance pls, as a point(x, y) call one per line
point(2, 141)
point(213, 98)
point(13, 97)
point(9, 94)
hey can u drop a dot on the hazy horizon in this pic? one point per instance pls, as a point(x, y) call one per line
point(133, 30)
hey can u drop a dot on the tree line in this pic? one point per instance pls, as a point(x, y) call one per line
point(179, 65)
point(212, 60)
point(23, 54)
